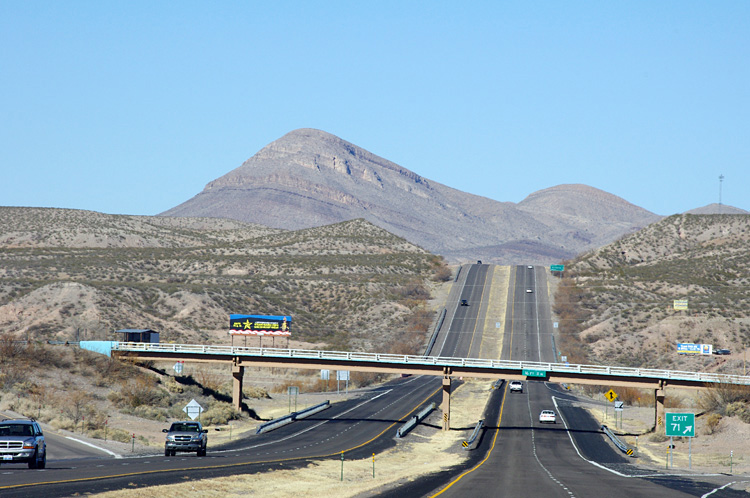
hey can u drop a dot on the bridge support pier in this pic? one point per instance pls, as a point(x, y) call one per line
point(446, 403)
point(658, 409)
point(237, 373)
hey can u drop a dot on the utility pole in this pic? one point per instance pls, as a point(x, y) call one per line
point(721, 179)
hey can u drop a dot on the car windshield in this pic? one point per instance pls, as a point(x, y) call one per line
point(184, 428)
point(16, 430)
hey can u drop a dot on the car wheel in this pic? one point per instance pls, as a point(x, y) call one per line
point(43, 463)
point(202, 452)
point(32, 461)
point(166, 452)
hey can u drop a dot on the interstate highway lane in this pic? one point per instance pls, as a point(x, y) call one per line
point(531, 459)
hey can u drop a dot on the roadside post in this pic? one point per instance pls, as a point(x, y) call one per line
point(373, 465)
point(292, 391)
point(619, 407)
point(611, 396)
point(636, 446)
point(325, 375)
point(342, 465)
point(680, 425)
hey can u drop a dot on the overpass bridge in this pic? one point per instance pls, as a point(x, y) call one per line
point(446, 367)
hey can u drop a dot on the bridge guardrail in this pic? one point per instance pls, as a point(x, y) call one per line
point(647, 373)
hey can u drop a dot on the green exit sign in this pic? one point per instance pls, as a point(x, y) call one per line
point(534, 373)
point(680, 424)
point(556, 267)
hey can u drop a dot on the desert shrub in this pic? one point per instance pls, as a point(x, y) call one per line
point(142, 390)
point(304, 385)
point(148, 412)
point(172, 386)
point(593, 391)
point(738, 409)
point(712, 423)
point(76, 405)
point(219, 414)
point(442, 274)
point(633, 396)
point(255, 392)
point(717, 399)
point(119, 435)
point(673, 401)
point(209, 378)
point(657, 437)
point(363, 379)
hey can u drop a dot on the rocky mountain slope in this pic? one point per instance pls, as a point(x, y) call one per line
point(310, 178)
point(69, 275)
point(618, 300)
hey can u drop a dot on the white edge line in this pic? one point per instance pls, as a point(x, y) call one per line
point(721, 488)
point(94, 446)
point(640, 476)
point(567, 430)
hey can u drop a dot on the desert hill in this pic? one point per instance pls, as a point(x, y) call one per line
point(69, 275)
point(619, 298)
point(716, 208)
point(309, 178)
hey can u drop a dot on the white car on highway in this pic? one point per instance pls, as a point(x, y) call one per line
point(547, 417)
point(516, 386)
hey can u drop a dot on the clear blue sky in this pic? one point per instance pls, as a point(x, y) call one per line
point(131, 107)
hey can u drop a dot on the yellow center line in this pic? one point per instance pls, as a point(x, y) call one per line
point(499, 417)
point(489, 453)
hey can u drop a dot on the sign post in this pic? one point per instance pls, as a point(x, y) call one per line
point(680, 425)
point(292, 391)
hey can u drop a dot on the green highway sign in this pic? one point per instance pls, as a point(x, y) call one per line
point(680, 424)
point(534, 373)
point(556, 267)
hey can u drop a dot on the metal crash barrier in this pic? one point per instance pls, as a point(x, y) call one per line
point(288, 419)
point(412, 423)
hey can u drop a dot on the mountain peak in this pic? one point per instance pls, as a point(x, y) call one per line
point(310, 178)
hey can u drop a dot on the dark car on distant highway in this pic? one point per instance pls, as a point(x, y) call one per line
point(722, 351)
point(22, 441)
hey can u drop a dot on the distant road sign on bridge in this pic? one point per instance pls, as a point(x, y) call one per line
point(557, 268)
point(533, 373)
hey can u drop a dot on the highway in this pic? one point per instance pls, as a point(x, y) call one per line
point(522, 457)
point(358, 427)
point(517, 456)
